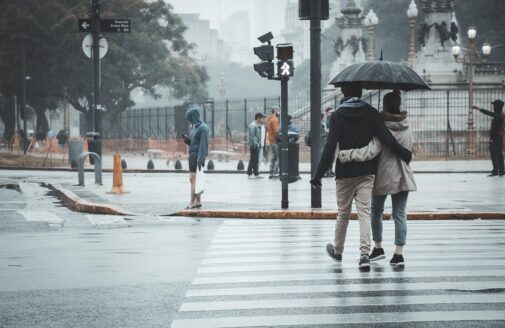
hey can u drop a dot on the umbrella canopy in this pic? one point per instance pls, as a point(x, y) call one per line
point(381, 74)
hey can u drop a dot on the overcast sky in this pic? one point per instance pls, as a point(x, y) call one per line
point(217, 11)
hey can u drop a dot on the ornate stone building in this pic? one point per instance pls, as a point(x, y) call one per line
point(436, 35)
point(350, 46)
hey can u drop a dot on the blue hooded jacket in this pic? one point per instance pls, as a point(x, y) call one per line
point(199, 145)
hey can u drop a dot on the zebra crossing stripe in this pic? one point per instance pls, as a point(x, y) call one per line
point(425, 238)
point(354, 318)
point(104, 220)
point(306, 249)
point(41, 216)
point(307, 224)
point(320, 256)
point(312, 243)
point(328, 264)
point(472, 271)
point(331, 288)
point(340, 302)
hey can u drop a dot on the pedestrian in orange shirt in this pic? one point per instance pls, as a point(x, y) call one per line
point(273, 147)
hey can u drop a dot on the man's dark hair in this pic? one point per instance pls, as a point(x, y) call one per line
point(392, 102)
point(351, 89)
point(258, 115)
point(498, 105)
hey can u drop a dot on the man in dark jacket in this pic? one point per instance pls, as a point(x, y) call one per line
point(198, 149)
point(353, 125)
point(496, 136)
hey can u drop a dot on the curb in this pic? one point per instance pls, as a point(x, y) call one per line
point(78, 204)
point(331, 215)
point(64, 169)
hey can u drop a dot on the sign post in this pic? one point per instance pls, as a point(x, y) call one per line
point(95, 47)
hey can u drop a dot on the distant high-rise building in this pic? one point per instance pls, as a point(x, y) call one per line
point(236, 31)
point(208, 46)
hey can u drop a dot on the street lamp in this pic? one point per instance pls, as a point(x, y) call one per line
point(371, 20)
point(412, 14)
point(470, 56)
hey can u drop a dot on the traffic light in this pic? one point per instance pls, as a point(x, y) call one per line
point(285, 51)
point(265, 69)
point(266, 54)
point(285, 66)
point(304, 10)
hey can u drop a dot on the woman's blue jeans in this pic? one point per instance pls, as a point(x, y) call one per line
point(399, 215)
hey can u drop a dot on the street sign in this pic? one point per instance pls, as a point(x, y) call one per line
point(84, 25)
point(115, 25)
point(87, 44)
point(106, 25)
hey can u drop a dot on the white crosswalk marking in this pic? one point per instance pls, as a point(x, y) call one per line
point(105, 220)
point(260, 273)
point(42, 216)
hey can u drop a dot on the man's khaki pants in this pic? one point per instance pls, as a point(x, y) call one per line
point(359, 189)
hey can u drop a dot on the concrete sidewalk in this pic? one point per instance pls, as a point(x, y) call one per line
point(168, 193)
point(139, 163)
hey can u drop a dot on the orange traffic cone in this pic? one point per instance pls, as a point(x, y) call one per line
point(117, 177)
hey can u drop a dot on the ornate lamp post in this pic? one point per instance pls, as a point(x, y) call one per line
point(412, 14)
point(370, 22)
point(470, 57)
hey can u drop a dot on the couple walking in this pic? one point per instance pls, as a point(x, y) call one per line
point(373, 158)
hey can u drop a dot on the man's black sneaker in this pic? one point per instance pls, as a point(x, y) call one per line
point(377, 254)
point(364, 261)
point(331, 252)
point(493, 174)
point(397, 260)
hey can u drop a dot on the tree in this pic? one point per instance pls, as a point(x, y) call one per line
point(154, 54)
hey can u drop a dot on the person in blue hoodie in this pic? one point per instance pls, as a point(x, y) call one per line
point(198, 143)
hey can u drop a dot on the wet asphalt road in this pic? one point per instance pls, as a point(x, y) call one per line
point(64, 269)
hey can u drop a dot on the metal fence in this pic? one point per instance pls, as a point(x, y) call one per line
point(438, 119)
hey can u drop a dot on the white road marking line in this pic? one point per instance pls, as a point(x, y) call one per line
point(340, 301)
point(225, 279)
point(325, 265)
point(41, 216)
point(332, 288)
point(103, 220)
point(320, 256)
point(244, 250)
point(321, 319)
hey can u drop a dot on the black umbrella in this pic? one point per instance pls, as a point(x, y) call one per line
point(381, 74)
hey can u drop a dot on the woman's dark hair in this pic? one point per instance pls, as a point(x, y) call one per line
point(392, 102)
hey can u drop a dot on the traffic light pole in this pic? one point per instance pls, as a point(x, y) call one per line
point(315, 96)
point(95, 23)
point(23, 85)
point(284, 142)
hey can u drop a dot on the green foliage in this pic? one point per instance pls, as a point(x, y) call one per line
point(154, 54)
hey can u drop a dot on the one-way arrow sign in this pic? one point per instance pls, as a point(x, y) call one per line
point(106, 25)
point(85, 25)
